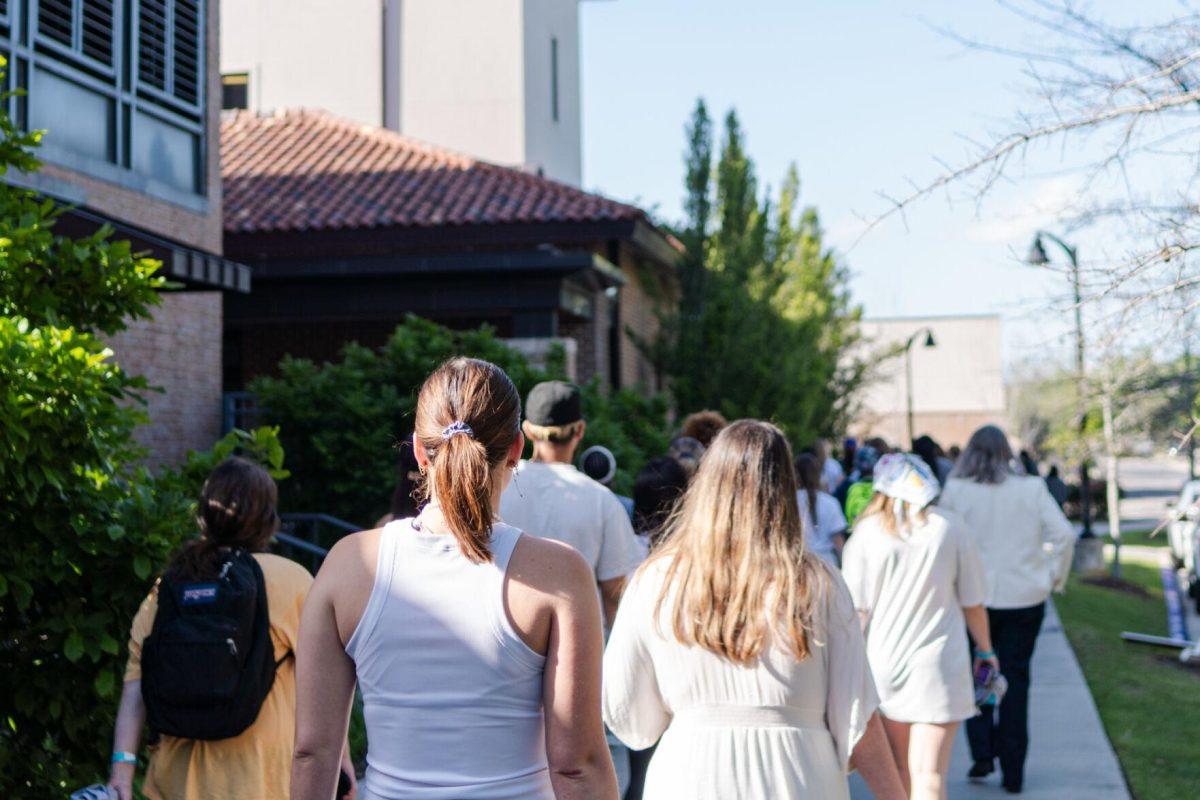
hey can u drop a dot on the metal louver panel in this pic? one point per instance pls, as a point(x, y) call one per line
point(187, 50)
point(54, 20)
point(152, 43)
point(97, 41)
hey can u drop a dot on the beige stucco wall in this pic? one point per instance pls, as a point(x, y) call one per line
point(555, 147)
point(958, 384)
point(462, 76)
point(469, 75)
point(310, 53)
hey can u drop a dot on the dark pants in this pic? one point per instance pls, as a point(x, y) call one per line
point(1014, 633)
point(639, 762)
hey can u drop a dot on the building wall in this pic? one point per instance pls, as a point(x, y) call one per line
point(946, 428)
point(311, 53)
point(553, 146)
point(179, 350)
point(957, 385)
point(196, 223)
point(469, 75)
point(639, 314)
point(461, 76)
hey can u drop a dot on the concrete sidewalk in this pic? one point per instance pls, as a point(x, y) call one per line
point(1069, 754)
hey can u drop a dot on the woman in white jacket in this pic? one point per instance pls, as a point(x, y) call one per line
point(1025, 544)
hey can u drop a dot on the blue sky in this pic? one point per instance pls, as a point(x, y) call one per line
point(863, 96)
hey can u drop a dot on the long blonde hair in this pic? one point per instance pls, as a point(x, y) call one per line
point(734, 550)
point(889, 520)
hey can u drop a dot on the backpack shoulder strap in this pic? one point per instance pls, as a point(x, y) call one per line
point(165, 603)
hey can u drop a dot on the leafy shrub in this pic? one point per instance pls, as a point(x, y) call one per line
point(84, 528)
point(340, 422)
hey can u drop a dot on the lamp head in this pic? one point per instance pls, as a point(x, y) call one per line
point(1037, 253)
point(929, 340)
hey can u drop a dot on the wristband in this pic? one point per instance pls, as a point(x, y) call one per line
point(124, 757)
point(984, 654)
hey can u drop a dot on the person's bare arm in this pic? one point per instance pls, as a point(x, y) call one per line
point(873, 759)
point(580, 765)
point(977, 624)
point(610, 592)
point(324, 680)
point(127, 735)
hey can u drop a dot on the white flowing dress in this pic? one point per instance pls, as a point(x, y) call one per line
point(780, 728)
point(913, 590)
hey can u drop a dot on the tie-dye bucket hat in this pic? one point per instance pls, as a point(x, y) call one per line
point(906, 477)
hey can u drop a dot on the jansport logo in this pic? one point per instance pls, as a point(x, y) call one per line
point(199, 593)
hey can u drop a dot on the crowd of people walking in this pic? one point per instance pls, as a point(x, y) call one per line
point(747, 624)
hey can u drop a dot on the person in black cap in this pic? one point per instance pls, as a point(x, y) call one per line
point(551, 498)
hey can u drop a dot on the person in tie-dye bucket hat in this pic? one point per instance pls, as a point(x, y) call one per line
point(918, 585)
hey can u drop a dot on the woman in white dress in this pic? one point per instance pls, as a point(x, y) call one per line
point(916, 579)
point(740, 649)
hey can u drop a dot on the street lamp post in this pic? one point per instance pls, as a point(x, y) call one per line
point(1037, 257)
point(908, 382)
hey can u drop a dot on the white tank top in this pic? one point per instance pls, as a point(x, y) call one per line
point(452, 696)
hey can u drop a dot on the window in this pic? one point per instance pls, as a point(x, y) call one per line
point(82, 30)
point(168, 48)
point(235, 90)
point(119, 85)
point(554, 78)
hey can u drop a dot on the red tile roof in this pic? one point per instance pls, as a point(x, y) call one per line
point(304, 170)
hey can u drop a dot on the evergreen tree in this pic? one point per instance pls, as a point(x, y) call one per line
point(765, 319)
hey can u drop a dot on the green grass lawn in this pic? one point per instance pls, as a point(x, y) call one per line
point(1149, 703)
point(1142, 538)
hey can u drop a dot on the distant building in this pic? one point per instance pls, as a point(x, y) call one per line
point(957, 384)
point(350, 227)
point(497, 79)
point(127, 93)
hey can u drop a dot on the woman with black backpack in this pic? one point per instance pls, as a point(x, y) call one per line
point(210, 656)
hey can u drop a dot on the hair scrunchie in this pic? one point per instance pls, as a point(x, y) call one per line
point(457, 427)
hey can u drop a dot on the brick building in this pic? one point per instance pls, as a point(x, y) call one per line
point(129, 96)
point(350, 227)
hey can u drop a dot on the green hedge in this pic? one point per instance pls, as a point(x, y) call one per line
point(340, 422)
point(83, 528)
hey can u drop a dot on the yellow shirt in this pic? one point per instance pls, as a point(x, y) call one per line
point(255, 765)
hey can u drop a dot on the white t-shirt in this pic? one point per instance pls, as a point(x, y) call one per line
point(832, 474)
point(557, 501)
point(830, 520)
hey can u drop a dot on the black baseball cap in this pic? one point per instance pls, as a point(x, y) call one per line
point(554, 403)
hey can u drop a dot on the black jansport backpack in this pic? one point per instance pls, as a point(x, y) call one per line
point(208, 663)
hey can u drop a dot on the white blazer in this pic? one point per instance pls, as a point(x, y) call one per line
point(1024, 540)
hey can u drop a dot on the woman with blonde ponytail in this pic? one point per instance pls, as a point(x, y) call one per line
point(477, 648)
point(742, 650)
